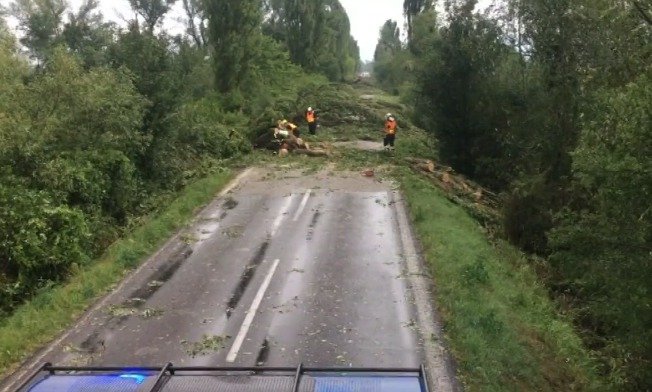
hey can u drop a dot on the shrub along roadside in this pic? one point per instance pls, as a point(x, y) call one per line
point(502, 328)
point(55, 308)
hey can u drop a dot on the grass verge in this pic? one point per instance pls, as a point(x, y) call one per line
point(500, 324)
point(38, 321)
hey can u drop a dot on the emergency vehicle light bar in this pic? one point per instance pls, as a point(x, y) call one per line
point(233, 379)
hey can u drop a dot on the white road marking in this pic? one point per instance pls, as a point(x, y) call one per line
point(281, 215)
point(302, 207)
point(251, 313)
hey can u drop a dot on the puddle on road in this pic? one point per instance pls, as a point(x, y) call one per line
point(245, 279)
point(230, 204)
point(206, 230)
point(234, 231)
point(92, 344)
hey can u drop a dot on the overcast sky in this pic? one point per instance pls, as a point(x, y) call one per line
point(367, 17)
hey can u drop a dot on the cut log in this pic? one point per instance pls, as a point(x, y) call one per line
point(313, 153)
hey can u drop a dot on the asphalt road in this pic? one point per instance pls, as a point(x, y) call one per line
point(284, 269)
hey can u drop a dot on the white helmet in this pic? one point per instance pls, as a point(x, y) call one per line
point(388, 115)
point(310, 108)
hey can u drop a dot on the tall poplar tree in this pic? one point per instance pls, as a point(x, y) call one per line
point(412, 8)
point(234, 35)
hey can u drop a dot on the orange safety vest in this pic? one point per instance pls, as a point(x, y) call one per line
point(310, 116)
point(390, 127)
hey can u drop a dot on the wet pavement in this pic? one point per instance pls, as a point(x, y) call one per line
point(285, 269)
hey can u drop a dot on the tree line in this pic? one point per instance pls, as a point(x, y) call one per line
point(549, 102)
point(99, 122)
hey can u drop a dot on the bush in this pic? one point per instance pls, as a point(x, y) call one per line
point(98, 182)
point(40, 240)
point(527, 216)
point(206, 130)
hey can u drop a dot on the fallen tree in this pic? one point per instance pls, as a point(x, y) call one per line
point(480, 202)
point(288, 143)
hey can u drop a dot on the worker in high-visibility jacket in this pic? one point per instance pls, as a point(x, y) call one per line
point(311, 119)
point(391, 126)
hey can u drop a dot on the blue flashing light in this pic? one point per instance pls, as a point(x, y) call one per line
point(123, 382)
point(138, 378)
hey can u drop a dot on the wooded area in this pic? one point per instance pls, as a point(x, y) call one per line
point(99, 122)
point(549, 103)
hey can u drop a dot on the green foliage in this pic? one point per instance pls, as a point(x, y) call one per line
point(390, 58)
point(196, 21)
point(12, 72)
point(277, 83)
point(527, 214)
point(97, 181)
point(463, 97)
point(412, 8)
point(548, 101)
point(158, 75)
point(152, 11)
point(40, 22)
point(602, 250)
point(151, 67)
point(41, 240)
point(206, 129)
point(94, 110)
point(194, 71)
point(235, 37)
point(317, 35)
point(87, 35)
point(551, 26)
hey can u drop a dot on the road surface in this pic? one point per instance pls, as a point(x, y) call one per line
point(285, 268)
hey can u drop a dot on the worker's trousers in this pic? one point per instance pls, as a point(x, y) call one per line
point(389, 140)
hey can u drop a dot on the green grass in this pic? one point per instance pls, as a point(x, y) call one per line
point(504, 331)
point(50, 312)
